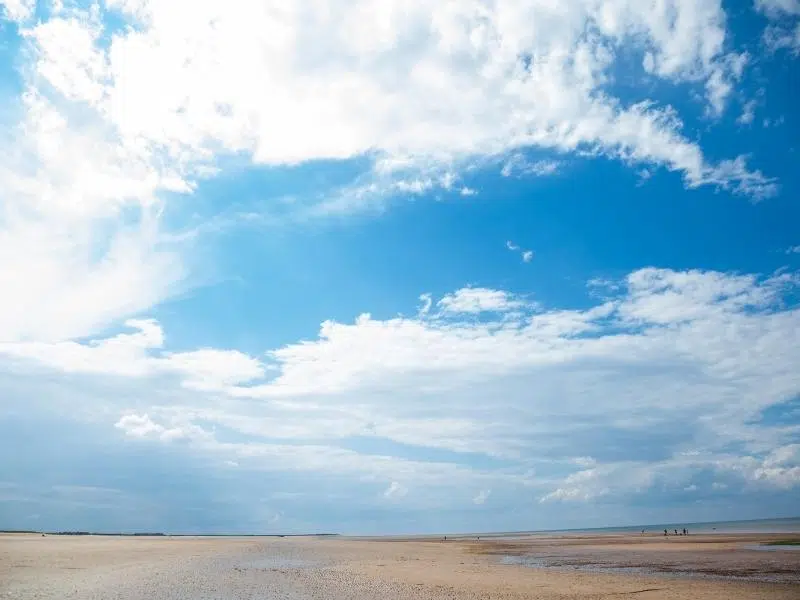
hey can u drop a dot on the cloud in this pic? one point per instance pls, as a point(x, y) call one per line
point(548, 85)
point(784, 29)
point(482, 497)
point(395, 491)
point(17, 10)
point(777, 8)
point(793, 250)
point(748, 113)
point(527, 255)
point(478, 300)
point(519, 166)
point(127, 107)
point(138, 354)
point(553, 400)
point(142, 426)
point(115, 121)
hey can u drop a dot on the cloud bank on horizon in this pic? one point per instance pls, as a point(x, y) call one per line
point(189, 189)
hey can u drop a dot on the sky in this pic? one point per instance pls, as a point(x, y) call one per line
point(399, 266)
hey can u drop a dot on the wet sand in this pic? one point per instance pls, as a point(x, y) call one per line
point(126, 568)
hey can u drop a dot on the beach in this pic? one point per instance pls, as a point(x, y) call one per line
point(720, 566)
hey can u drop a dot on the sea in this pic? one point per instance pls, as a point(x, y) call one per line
point(784, 525)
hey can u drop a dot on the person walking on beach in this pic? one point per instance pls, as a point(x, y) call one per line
point(685, 532)
point(665, 533)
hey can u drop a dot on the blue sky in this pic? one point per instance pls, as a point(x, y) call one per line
point(398, 267)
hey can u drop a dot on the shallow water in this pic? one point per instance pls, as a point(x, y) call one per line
point(696, 566)
point(773, 547)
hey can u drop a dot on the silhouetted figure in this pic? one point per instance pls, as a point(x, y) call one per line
point(665, 533)
point(676, 532)
point(685, 532)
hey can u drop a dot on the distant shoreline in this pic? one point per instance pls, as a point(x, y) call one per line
point(767, 526)
point(162, 534)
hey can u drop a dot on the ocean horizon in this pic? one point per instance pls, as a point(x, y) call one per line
point(772, 525)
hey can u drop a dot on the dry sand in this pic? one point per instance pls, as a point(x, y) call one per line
point(127, 568)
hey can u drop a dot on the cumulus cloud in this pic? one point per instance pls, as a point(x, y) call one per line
point(478, 300)
point(167, 88)
point(139, 354)
point(126, 104)
point(17, 10)
point(142, 426)
point(680, 365)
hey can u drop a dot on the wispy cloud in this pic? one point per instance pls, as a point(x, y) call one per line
point(395, 491)
point(482, 497)
point(517, 165)
point(665, 353)
point(784, 29)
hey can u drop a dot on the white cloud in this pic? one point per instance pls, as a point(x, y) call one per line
point(784, 30)
point(748, 113)
point(395, 491)
point(114, 119)
point(183, 87)
point(137, 354)
point(721, 83)
point(649, 388)
point(17, 10)
point(526, 255)
point(776, 8)
point(477, 300)
point(518, 165)
point(793, 250)
point(780, 468)
point(482, 497)
point(141, 426)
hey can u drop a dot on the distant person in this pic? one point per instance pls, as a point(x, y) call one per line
point(685, 532)
point(665, 533)
point(676, 532)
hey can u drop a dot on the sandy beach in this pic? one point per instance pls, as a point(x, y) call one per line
point(566, 567)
